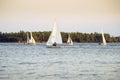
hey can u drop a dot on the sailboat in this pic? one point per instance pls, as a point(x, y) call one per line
point(55, 39)
point(69, 41)
point(30, 41)
point(103, 40)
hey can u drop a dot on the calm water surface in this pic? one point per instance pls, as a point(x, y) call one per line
point(82, 61)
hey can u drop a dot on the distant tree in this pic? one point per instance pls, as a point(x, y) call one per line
point(43, 37)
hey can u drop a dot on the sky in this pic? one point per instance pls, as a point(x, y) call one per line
point(85, 16)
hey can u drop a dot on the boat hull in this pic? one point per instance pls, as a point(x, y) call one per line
point(54, 46)
point(30, 43)
point(102, 44)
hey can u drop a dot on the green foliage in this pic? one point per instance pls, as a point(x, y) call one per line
point(43, 37)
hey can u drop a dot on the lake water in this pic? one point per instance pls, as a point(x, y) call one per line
point(82, 61)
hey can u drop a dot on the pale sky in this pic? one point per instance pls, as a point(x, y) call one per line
point(71, 15)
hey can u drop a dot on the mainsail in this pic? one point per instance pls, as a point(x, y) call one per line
point(30, 41)
point(55, 36)
point(103, 39)
point(69, 41)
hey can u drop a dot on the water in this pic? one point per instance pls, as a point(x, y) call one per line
point(82, 61)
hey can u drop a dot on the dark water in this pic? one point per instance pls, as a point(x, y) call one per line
point(83, 61)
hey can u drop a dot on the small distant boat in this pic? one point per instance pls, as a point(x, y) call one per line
point(31, 40)
point(55, 39)
point(103, 43)
point(69, 41)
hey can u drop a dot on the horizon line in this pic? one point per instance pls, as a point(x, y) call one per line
point(62, 31)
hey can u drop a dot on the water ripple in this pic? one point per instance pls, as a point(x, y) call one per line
point(26, 63)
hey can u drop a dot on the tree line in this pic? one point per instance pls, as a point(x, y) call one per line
point(43, 37)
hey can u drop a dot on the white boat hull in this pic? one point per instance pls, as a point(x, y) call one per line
point(102, 44)
point(54, 46)
point(29, 43)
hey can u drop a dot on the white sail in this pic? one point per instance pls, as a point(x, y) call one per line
point(103, 39)
point(32, 41)
point(69, 41)
point(55, 36)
